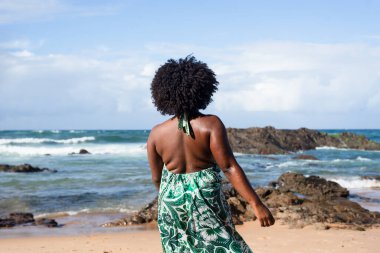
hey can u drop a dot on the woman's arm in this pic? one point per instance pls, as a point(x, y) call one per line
point(155, 160)
point(224, 157)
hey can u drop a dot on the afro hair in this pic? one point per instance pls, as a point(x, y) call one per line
point(183, 86)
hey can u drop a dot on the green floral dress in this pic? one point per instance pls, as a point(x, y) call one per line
point(193, 215)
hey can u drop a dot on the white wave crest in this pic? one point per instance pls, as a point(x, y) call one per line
point(85, 211)
point(45, 131)
point(359, 158)
point(343, 160)
point(333, 148)
point(45, 140)
point(95, 149)
point(356, 182)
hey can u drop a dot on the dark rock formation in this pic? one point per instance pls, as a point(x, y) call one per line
point(50, 223)
point(354, 141)
point(7, 223)
point(305, 157)
point(22, 218)
point(23, 168)
point(276, 198)
point(15, 219)
point(295, 200)
point(269, 140)
point(83, 152)
point(313, 186)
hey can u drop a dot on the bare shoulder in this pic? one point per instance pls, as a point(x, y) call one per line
point(213, 122)
point(158, 129)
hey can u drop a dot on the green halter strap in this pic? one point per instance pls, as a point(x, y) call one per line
point(183, 122)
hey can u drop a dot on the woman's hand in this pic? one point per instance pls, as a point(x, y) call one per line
point(263, 215)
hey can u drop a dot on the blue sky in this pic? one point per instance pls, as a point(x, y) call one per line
point(289, 64)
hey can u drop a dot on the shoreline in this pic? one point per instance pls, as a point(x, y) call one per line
point(72, 225)
point(274, 239)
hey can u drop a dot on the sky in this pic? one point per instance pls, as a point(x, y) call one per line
point(286, 63)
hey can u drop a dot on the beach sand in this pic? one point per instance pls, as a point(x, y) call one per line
point(275, 239)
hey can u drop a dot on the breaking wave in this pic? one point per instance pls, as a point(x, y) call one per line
point(356, 182)
point(46, 140)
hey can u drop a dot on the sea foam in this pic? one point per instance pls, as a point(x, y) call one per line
point(359, 158)
point(334, 148)
point(45, 140)
point(86, 211)
point(356, 182)
point(117, 149)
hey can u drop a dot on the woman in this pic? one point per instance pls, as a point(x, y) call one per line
point(185, 154)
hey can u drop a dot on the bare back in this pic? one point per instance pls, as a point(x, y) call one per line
point(181, 153)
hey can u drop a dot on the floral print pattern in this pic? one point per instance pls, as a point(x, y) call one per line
point(193, 215)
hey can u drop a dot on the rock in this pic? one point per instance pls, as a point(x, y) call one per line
point(7, 223)
point(277, 199)
point(331, 211)
point(354, 141)
point(377, 178)
point(50, 223)
point(269, 140)
point(238, 209)
point(83, 152)
point(312, 186)
point(145, 215)
point(273, 184)
point(236, 205)
point(24, 168)
point(305, 157)
point(22, 218)
point(297, 201)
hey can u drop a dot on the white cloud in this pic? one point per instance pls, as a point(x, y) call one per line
point(68, 84)
point(149, 69)
point(299, 77)
point(23, 53)
point(274, 77)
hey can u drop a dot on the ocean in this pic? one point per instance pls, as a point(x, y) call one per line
point(114, 179)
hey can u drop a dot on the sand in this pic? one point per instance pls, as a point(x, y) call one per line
point(275, 239)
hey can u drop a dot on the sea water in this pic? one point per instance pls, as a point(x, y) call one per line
point(115, 179)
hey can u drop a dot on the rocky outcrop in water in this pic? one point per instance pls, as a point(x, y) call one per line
point(84, 152)
point(294, 199)
point(23, 168)
point(269, 140)
point(16, 219)
point(313, 186)
point(81, 152)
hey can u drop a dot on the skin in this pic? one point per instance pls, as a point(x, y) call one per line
point(207, 145)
